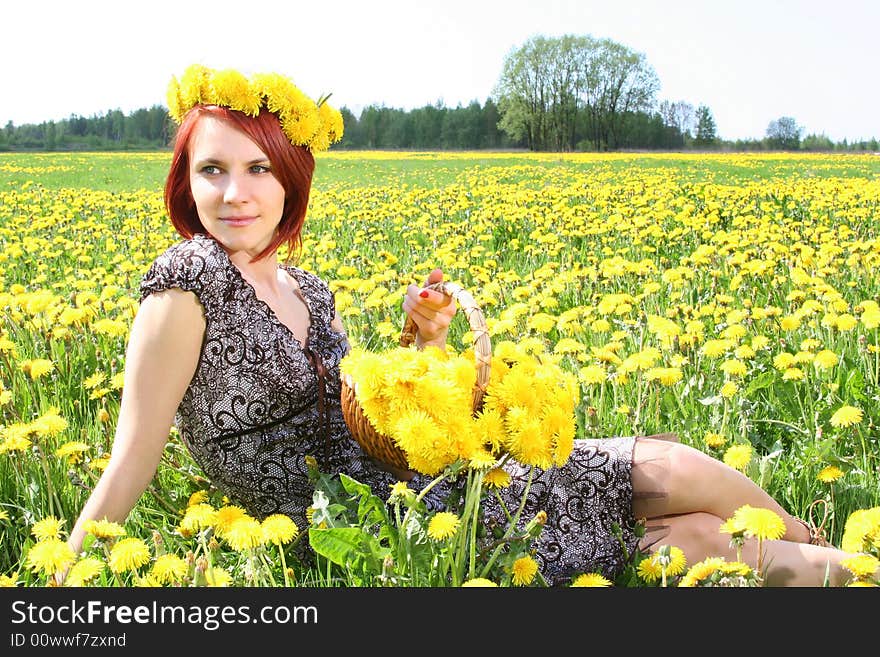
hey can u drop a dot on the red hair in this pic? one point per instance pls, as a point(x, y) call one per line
point(292, 166)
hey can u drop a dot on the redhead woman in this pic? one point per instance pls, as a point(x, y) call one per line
point(241, 353)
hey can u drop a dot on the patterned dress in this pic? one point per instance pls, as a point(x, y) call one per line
point(260, 402)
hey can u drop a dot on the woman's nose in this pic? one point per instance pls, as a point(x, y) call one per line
point(236, 190)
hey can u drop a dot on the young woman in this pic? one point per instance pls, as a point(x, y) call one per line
point(242, 353)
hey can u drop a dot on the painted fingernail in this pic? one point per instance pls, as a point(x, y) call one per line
point(423, 294)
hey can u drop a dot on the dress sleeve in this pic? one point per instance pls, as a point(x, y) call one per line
point(189, 266)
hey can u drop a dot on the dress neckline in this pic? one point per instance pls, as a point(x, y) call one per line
point(294, 272)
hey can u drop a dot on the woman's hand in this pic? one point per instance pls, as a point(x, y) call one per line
point(431, 310)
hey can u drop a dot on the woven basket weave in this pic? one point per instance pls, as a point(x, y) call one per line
point(382, 447)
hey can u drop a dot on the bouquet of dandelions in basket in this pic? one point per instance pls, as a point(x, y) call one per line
point(423, 403)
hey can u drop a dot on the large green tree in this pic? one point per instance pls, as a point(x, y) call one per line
point(550, 86)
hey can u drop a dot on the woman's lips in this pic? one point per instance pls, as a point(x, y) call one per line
point(238, 221)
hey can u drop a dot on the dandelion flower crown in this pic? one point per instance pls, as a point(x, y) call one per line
point(315, 125)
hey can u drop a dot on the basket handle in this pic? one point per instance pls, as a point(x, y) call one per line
point(477, 322)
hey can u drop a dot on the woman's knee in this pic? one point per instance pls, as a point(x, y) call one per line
point(678, 471)
point(697, 534)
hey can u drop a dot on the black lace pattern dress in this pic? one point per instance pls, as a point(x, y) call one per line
point(260, 402)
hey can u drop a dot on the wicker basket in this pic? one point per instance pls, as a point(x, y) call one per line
point(383, 448)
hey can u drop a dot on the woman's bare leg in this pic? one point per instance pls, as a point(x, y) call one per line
point(785, 563)
point(691, 481)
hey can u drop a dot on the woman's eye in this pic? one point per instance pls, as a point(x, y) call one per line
point(210, 169)
point(259, 168)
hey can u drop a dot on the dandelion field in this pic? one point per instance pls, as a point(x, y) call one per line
point(731, 299)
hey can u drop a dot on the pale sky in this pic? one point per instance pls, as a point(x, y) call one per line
point(749, 61)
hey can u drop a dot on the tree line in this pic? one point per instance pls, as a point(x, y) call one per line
point(569, 93)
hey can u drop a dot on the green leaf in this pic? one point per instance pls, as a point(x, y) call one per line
point(760, 382)
point(348, 547)
point(371, 509)
point(855, 386)
point(341, 545)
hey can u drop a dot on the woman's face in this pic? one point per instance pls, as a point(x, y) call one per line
point(238, 200)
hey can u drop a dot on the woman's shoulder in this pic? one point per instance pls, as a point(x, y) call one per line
point(198, 249)
point(194, 264)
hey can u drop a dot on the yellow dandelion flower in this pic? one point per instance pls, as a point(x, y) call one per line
point(279, 529)
point(169, 569)
point(714, 440)
point(825, 359)
point(478, 582)
point(861, 532)
point(39, 367)
point(759, 523)
point(128, 554)
point(700, 571)
point(650, 570)
point(48, 527)
point(591, 580)
point(400, 491)
point(871, 318)
point(829, 474)
point(860, 583)
point(846, 416)
point(716, 348)
point(217, 577)
point(738, 456)
point(734, 367)
point(147, 581)
point(8, 581)
point(677, 561)
point(198, 497)
point(861, 565)
point(84, 571)
point(50, 555)
point(783, 361)
point(95, 380)
point(443, 525)
point(73, 451)
point(103, 528)
point(198, 516)
point(49, 424)
point(243, 533)
point(524, 571)
point(481, 460)
point(225, 516)
point(592, 375)
point(846, 322)
point(667, 376)
point(733, 526)
point(729, 389)
point(4, 515)
point(793, 374)
point(497, 478)
point(100, 463)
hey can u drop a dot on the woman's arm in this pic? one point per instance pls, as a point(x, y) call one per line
point(163, 352)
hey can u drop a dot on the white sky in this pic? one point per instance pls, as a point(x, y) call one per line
point(749, 61)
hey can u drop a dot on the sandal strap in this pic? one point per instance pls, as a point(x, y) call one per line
point(817, 532)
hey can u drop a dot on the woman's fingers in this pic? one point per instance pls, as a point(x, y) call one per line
point(431, 310)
